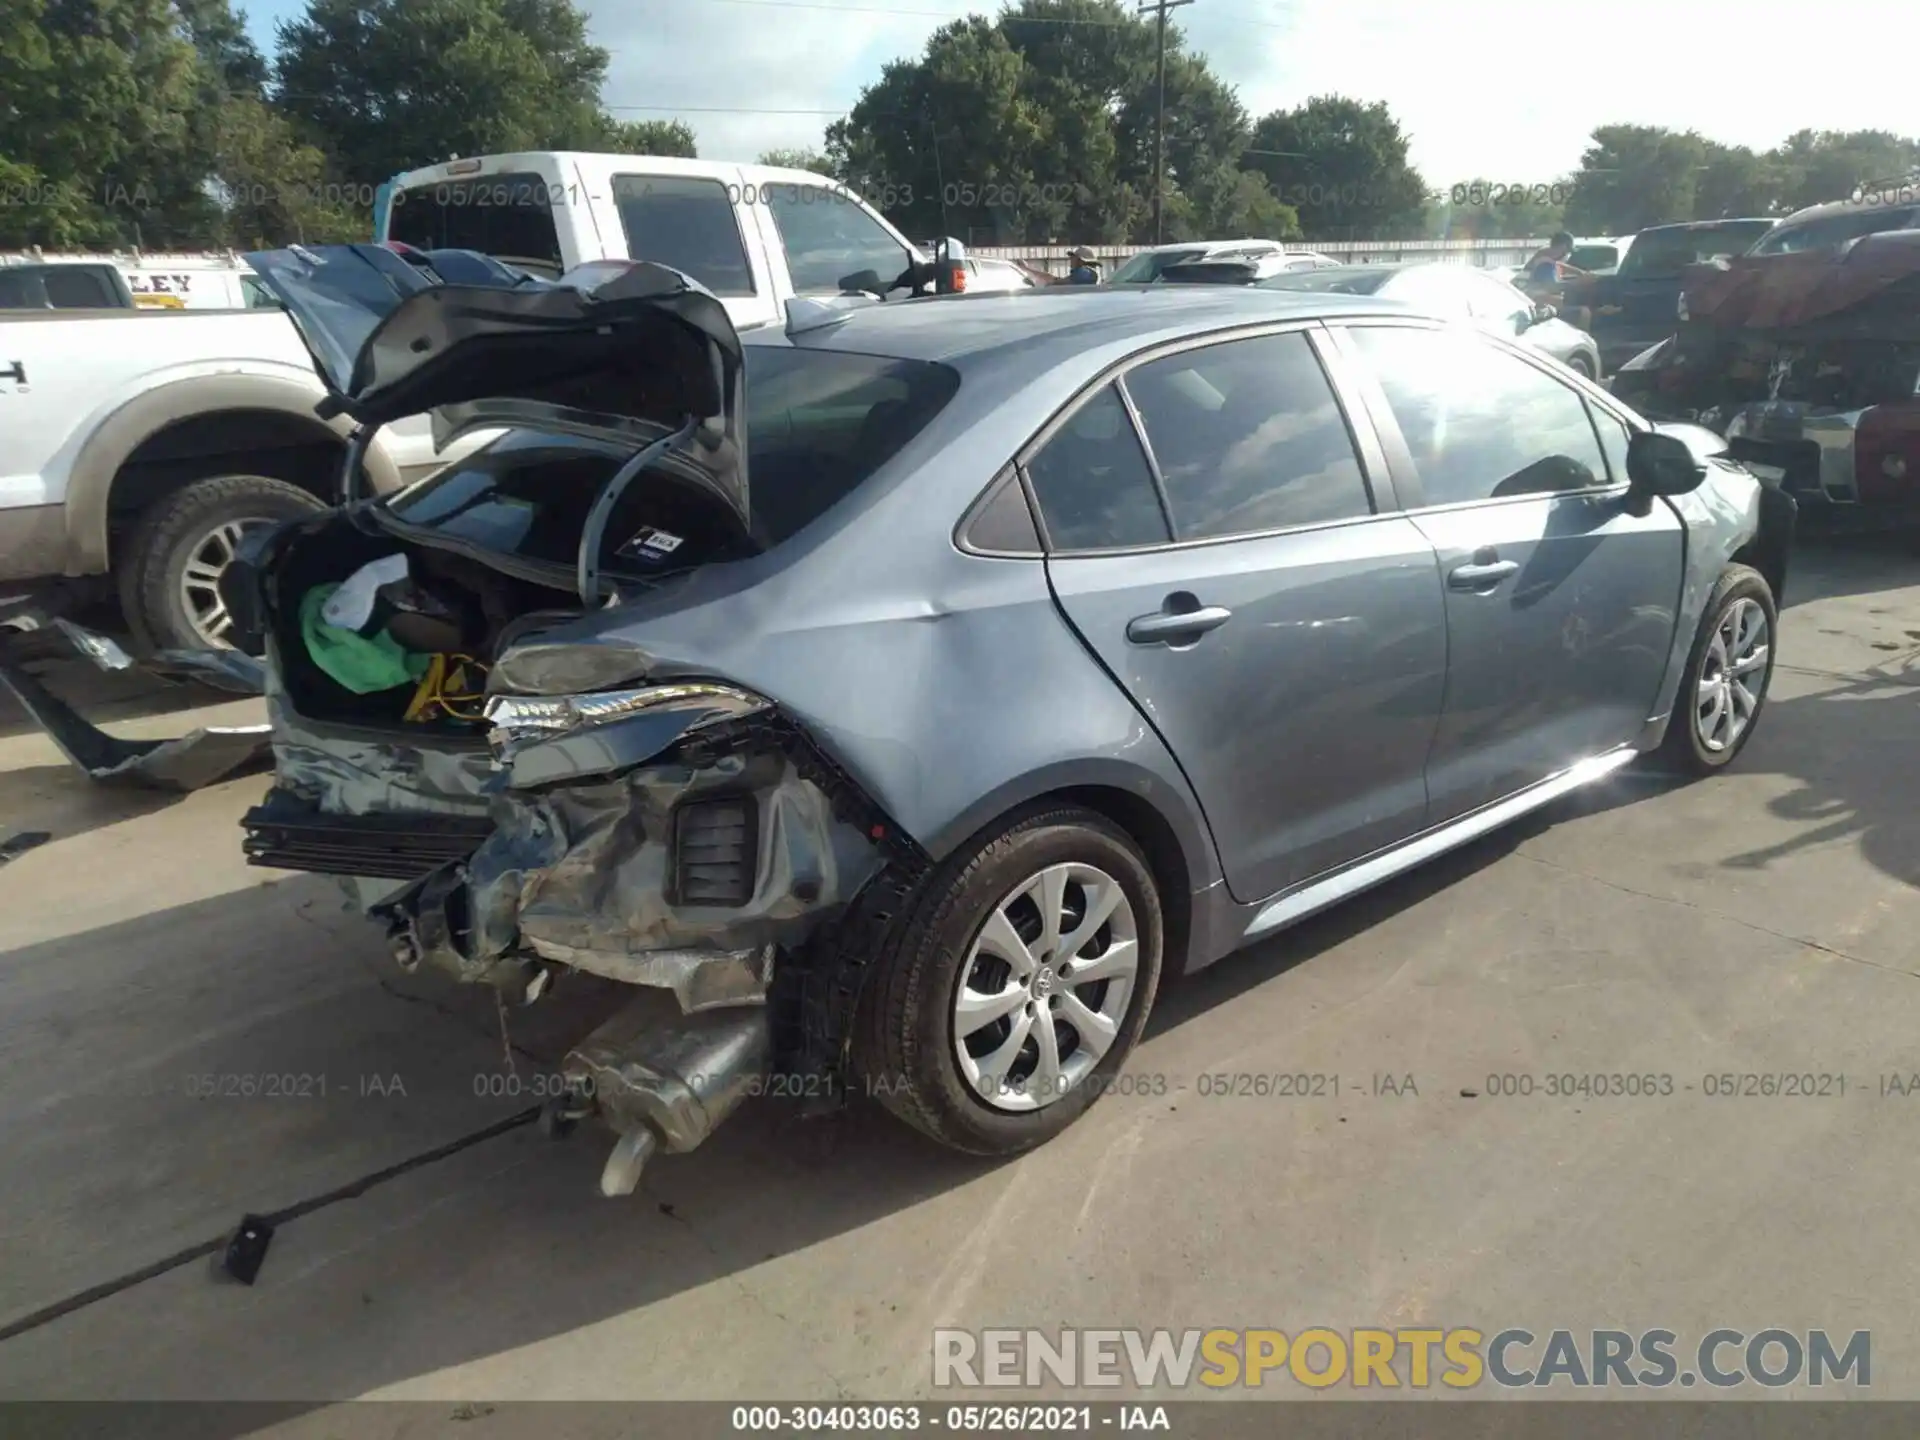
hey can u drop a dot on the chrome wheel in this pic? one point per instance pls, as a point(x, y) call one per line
point(1045, 987)
point(200, 580)
point(1733, 676)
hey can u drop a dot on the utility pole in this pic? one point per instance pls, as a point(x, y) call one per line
point(1160, 8)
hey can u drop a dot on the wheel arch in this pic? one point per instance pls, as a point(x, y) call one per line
point(1159, 818)
point(148, 446)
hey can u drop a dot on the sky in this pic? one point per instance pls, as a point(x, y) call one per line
point(1483, 89)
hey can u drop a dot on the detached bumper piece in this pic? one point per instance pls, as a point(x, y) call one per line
point(200, 758)
point(286, 834)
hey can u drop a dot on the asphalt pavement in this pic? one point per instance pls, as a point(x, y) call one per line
point(184, 1040)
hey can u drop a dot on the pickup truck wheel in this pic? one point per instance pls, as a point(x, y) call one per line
point(1014, 993)
point(169, 569)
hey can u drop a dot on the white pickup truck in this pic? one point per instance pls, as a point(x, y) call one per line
point(145, 443)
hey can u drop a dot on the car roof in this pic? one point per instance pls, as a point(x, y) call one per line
point(1246, 243)
point(1682, 225)
point(1845, 207)
point(1037, 329)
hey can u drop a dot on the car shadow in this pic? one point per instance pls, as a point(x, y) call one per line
point(766, 1185)
point(1831, 567)
point(1849, 750)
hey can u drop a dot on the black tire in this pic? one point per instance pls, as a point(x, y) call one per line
point(1683, 750)
point(903, 1044)
point(151, 564)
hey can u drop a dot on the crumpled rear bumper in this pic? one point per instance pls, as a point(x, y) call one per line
point(684, 872)
point(696, 868)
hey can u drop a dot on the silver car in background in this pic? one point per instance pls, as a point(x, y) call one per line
point(1459, 293)
point(905, 697)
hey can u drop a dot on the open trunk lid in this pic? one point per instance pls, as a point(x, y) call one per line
point(627, 351)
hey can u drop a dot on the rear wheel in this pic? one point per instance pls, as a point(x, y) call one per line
point(1727, 675)
point(168, 571)
point(1018, 987)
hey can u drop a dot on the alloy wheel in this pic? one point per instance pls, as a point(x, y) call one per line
point(200, 598)
point(1045, 988)
point(1733, 676)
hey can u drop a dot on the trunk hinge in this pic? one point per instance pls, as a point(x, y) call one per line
point(587, 561)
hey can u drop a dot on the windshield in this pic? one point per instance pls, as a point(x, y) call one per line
point(1834, 231)
point(509, 217)
point(1148, 264)
point(819, 424)
point(1663, 254)
point(1332, 281)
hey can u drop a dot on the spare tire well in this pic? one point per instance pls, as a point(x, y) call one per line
point(297, 449)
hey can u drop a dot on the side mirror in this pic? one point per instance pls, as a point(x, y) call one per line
point(949, 266)
point(1662, 465)
point(862, 282)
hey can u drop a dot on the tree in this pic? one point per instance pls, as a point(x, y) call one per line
point(1734, 182)
point(389, 85)
point(1633, 176)
point(95, 104)
point(649, 137)
point(1039, 127)
point(274, 189)
point(1818, 166)
point(1343, 166)
point(800, 158)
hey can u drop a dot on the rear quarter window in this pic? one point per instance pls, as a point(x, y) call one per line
point(819, 425)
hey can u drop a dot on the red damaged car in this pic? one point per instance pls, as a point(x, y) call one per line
point(1809, 364)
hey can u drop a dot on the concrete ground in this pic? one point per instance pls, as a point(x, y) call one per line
point(1760, 923)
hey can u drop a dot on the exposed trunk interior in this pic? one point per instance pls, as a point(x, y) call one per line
point(493, 607)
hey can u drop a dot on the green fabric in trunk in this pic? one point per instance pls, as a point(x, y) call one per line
point(364, 664)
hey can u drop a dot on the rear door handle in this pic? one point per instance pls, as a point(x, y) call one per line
point(1167, 627)
point(1481, 577)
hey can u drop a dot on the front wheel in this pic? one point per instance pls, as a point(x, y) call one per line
point(1018, 987)
point(1728, 671)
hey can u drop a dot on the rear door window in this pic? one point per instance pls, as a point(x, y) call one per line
point(687, 223)
point(509, 217)
point(829, 238)
point(1248, 438)
point(1091, 478)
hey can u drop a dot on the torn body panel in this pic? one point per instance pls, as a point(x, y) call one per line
point(192, 761)
point(1728, 519)
point(686, 871)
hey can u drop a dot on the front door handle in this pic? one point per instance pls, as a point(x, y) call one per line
point(1184, 620)
point(1481, 577)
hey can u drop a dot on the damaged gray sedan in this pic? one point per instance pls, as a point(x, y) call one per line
point(895, 700)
